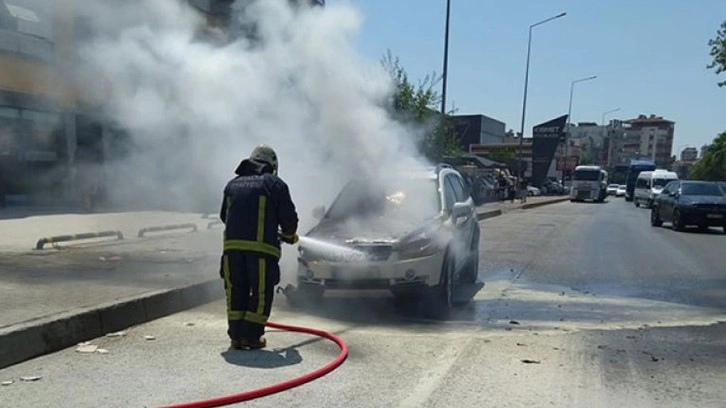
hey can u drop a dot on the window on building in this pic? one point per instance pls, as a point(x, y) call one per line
point(31, 135)
point(28, 28)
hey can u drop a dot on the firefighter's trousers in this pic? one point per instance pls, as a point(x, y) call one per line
point(249, 282)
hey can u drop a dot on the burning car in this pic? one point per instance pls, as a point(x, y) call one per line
point(415, 234)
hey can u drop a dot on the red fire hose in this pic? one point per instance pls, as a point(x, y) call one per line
point(282, 386)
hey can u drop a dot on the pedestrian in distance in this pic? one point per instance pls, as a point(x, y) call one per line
point(258, 213)
point(523, 190)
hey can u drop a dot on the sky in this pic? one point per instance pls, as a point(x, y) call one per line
point(650, 57)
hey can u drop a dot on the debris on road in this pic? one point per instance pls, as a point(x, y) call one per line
point(521, 344)
point(102, 351)
point(110, 258)
point(513, 322)
point(528, 361)
point(189, 324)
point(116, 334)
point(87, 348)
point(29, 378)
point(149, 338)
point(652, 357)
point(8, 382)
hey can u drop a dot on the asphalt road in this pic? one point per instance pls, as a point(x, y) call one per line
point(585, 305)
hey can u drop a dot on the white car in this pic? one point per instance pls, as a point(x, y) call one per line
point(414, 234)
point(612, 189)
point(533, 191)
point(620, 192)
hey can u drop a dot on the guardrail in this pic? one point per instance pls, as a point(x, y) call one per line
point(75, 237)
point(161, 228)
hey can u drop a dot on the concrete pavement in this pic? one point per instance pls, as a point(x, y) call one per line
point(73, 291)
point(55, 297)
point(570, 317)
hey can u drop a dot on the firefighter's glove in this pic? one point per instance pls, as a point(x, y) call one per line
point(291, 239)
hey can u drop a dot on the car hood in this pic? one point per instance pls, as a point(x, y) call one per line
point(368, 230)
point(688, 200)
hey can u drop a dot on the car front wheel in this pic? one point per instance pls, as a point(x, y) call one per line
point(306, 295)
point(472, 268)
point(655, 218)
point(678, 224)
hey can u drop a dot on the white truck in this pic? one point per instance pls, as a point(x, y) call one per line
point(589, 183)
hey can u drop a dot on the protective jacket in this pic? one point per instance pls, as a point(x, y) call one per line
point(256, 203)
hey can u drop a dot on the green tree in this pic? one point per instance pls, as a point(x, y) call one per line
point(416, 105)
point(718, 52)
point(712, 165)
point(505, 155)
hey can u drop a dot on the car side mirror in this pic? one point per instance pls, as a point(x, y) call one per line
point(319, 212)
point(459, 213)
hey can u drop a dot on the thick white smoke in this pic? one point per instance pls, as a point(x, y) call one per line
point(194, 110)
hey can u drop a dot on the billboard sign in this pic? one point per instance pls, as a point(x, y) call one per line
point(546, 138)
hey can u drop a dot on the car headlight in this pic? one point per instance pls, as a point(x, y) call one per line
point(418, 245)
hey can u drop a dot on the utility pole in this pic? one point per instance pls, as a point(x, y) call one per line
point(446, 59)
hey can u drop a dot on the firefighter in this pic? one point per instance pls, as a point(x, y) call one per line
point(258, 213)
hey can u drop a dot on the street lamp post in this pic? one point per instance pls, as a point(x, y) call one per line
point(569, 122)
point(446, 59)
point(610, 140)
point(524, 99)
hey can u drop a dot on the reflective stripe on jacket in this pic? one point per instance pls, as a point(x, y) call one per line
point(256, 206)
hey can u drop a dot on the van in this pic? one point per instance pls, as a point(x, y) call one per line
point(649, 184)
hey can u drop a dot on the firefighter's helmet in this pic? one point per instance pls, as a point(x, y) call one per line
point(265, 154)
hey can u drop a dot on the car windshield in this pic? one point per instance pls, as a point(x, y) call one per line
point(410, 199)
point(587, 175)
point(613, 186)
point(700, 189)
point(660, 183)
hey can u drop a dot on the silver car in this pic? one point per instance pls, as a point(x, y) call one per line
point(415, 234)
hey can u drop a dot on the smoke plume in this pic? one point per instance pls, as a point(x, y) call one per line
point(194, 108)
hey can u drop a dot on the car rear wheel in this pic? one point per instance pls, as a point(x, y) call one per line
point(678, 224)
point(655, 218)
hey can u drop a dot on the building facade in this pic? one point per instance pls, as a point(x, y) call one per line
point(689, 154)
point(38, 103)
point(478, 129)
point(642, 138)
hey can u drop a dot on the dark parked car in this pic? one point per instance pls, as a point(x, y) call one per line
point(684, 203)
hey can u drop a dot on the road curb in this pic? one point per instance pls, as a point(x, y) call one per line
point(488, 214)
point(540, 204)
point(31, 339)
point(494, 213)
